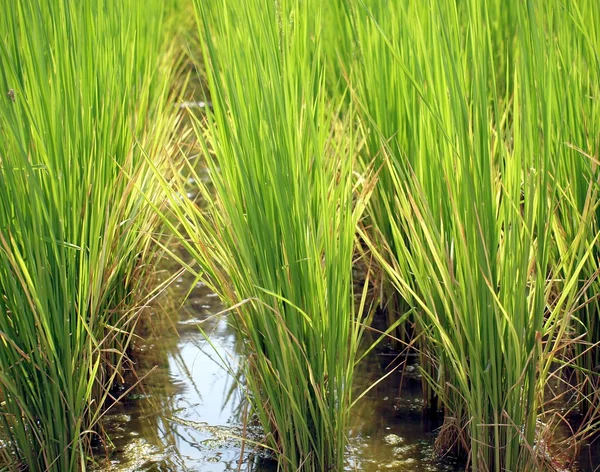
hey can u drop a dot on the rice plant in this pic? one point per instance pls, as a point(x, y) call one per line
point(84, 102)
point(576, 168)
point(276, 238)
point(465, 209)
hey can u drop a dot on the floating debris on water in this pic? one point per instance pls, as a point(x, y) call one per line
point(393, 439)
point(138, 455)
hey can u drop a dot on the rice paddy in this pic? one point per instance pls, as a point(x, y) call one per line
point(352, 178)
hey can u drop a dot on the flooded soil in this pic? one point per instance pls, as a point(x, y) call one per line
point(188, 413)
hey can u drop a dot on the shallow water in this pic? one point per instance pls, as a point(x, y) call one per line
point(188, 414)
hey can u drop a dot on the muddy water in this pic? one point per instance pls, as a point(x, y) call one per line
point(188, 413)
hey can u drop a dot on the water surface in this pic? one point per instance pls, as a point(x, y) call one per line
point(189, 413)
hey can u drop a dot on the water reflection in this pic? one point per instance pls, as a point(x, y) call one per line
point(189, 413)
point(186, 416)
point(389, 430)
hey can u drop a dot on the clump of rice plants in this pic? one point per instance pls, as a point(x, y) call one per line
point(465, 212)
point(276, 238)
point(83, 104)
point(576, 168)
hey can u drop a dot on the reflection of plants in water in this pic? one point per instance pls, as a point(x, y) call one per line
point(158, 410)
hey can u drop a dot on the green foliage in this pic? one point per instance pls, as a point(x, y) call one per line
point(576, 168)
point(84, 100)
point(276, 239)
point(484, 213)
point(476, 150)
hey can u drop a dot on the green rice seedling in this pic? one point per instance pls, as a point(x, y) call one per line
point(84, 99)
point(276, 238)
point(469, 225)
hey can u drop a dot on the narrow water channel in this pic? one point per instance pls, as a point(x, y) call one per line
point(188, 413)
